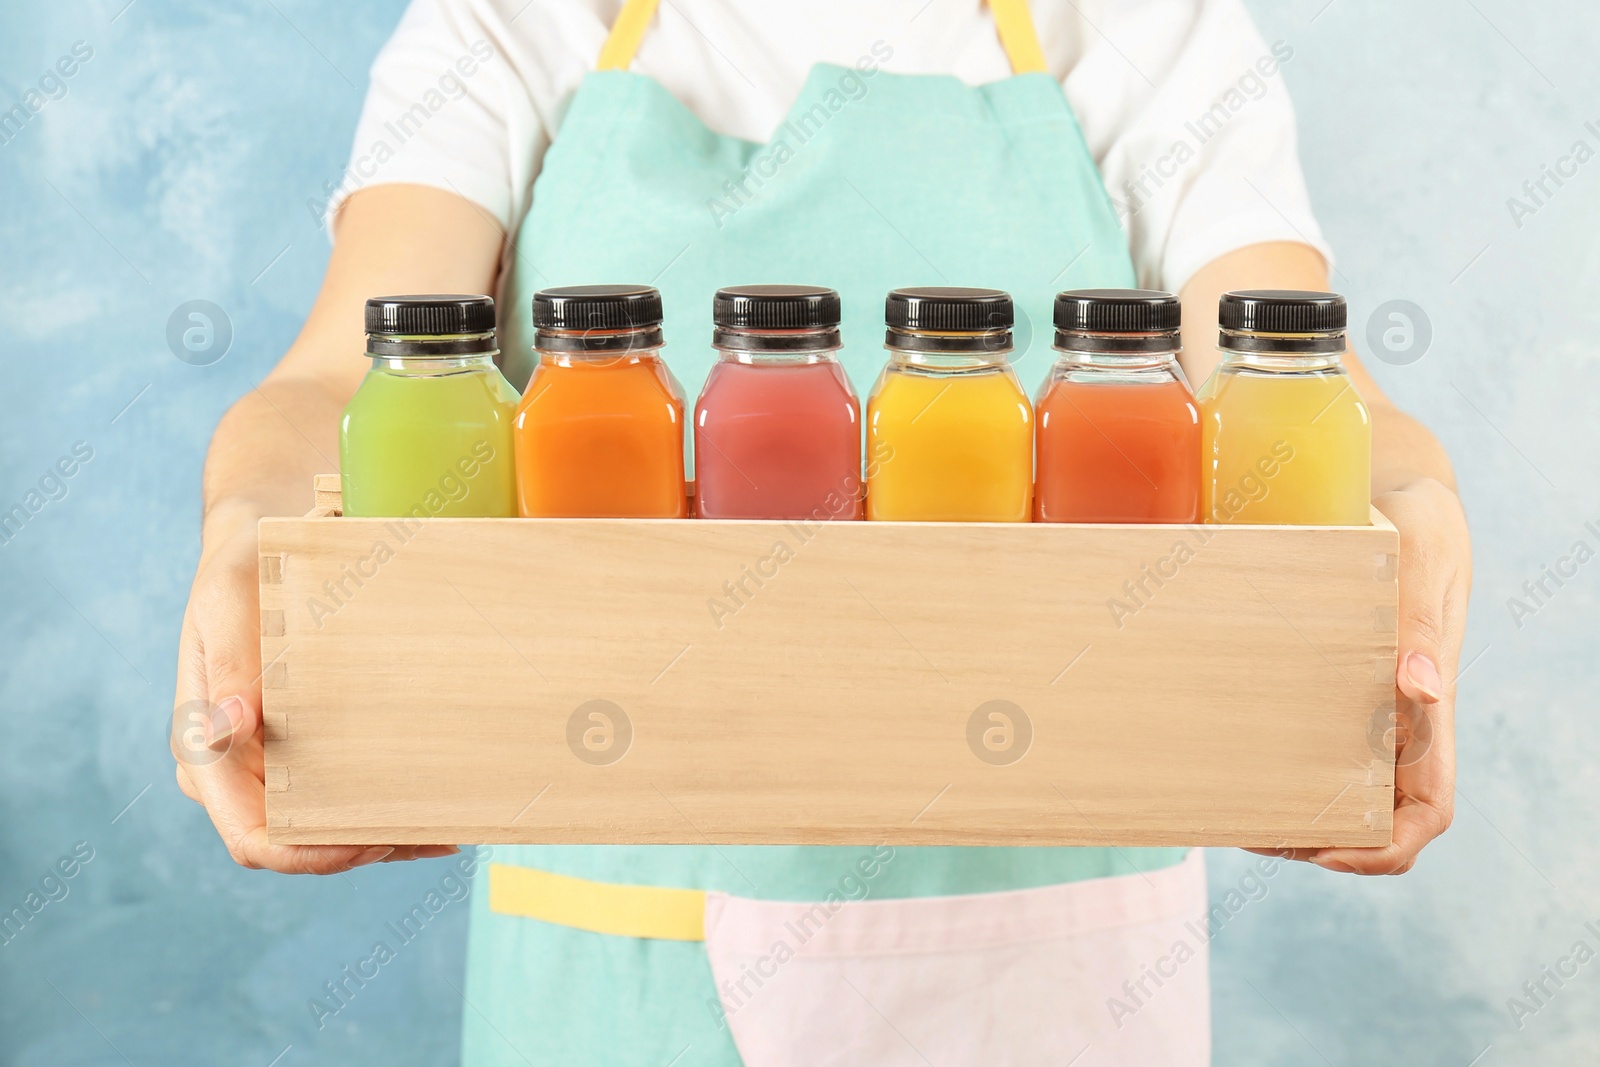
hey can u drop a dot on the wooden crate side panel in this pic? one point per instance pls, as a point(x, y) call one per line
point(786, 684)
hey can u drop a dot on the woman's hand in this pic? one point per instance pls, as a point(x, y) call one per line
point(391, 239)
point(1435, 577)
point(216, 724)
point(1411, 478)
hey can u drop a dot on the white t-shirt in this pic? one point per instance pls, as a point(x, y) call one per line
point(1182, 102)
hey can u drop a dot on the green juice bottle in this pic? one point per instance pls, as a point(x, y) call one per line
point(429, 430)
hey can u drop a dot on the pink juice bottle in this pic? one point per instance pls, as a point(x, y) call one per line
point(777, 430)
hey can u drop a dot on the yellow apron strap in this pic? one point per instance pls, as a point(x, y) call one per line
point(626, 33)
point(1017, 36)
point(600, 907)
point(1011, 18)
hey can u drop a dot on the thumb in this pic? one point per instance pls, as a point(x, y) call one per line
point(218, 700)
point(233, 722)
point(1426, 580)
point(233, 683)
point(219, 711)
point(220, 671)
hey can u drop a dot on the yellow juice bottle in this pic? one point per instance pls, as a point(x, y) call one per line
point(949, 429)
point(1285, 437)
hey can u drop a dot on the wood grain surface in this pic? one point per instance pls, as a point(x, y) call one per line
point(669, 681)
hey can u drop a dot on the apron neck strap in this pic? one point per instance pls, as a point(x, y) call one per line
point(1017, 36)
point(1011, 18)
point(626, 33)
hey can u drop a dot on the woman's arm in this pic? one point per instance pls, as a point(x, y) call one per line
point(392, 239)
point(1414, 486)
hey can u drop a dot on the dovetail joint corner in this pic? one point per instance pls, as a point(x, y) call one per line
point(276, 676)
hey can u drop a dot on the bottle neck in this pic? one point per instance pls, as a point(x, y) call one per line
point(597, 347)
point(1282, 353)
point(1283, 362)
point(1117, 361)
point(430, 355)
point(600, 357)
point(947, 362)
point(937, 352)
point(598, 342)
point(423, 367)
point(775, 359)
point(776, 347)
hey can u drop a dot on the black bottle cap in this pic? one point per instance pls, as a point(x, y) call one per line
point(951, 308)
point(987, 314)
point(776, 318)
point(597, 318)
point(435, 315)
point(590, 307)
point(1117, 320)
point(432, 325)
point(1319, 320)
point(775, 307)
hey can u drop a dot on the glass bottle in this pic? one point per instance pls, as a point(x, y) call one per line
point(1117, 429)
point(1285, 437)
point(428, 431)
point(777, 429)
point(599, 432)
point(949, 429)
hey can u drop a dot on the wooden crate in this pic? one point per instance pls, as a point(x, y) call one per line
point(669, 681)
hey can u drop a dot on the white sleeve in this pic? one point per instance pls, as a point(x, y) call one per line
point(436, 111)
point(1185, 110)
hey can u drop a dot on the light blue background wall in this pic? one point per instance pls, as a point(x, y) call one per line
point(177, 167)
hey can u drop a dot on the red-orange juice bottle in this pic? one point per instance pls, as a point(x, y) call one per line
point(1118, 431)
point(599, 432)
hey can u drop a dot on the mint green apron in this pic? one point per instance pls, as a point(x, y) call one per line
point(873, 181)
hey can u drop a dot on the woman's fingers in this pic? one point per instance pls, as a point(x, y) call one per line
point(1424, 796)
point(229, 780)
point(1434, 566)
point(1435, 574)
point(1416, 822)
point(1286, 853)
point(235, 798)
point(216, 720)
point(216, 724)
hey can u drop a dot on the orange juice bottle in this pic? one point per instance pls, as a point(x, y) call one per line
point(949, 429)
point(1118, 431)
point(1285, 437)
point(599, 432)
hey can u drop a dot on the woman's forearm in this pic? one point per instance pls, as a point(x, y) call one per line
point(1404, 450)
point(267, 448)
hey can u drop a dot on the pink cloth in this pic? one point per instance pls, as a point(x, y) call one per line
point(1110, 972)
